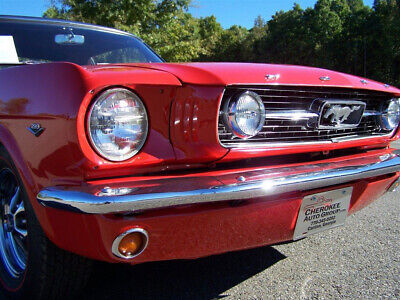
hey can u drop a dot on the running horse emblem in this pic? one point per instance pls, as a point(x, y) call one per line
point(339, 114)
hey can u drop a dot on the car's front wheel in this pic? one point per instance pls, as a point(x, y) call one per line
point(31, 267)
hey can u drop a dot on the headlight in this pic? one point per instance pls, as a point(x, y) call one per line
point(391, 115)
point(245, 114)
point(117, 124)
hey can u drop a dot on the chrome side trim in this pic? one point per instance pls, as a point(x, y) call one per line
point(193, 190)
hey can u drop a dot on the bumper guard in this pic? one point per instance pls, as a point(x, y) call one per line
point(132, 196)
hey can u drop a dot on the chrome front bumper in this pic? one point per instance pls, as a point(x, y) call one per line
point(138, 195)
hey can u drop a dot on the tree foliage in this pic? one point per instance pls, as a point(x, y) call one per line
point(344, 35)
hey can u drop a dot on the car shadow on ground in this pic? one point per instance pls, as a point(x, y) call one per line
point(205, 278)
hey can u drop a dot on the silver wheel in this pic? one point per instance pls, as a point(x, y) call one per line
point(13, 228)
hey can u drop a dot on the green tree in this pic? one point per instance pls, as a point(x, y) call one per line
point(289, 37)
point(229, 47)
point(383, 58)
point(210, 32)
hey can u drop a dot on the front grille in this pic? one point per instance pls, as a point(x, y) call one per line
point(289, 98)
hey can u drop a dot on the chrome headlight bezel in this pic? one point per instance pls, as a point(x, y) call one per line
point(100, 99)
point(231, 119)
point(390, 117)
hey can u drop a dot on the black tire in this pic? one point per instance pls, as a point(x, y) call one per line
point(50, 272)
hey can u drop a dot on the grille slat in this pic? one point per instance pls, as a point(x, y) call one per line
point(277, 99)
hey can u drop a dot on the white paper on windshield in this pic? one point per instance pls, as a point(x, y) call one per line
point(8, 53)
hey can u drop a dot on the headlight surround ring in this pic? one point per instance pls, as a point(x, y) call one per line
point(244, 114)
point(390, 117)
point(117, 124)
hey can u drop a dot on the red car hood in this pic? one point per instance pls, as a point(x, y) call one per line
point(249, 73)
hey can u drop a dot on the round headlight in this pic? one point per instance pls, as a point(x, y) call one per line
point(117, 124)
point(245, 114)
point(391, 115)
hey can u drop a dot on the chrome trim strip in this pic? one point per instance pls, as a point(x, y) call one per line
point(284, 88)
point(272, 84)
point(118, 239)
point(304, 114)
point(220, 115)
point(332, 141)
point(369, 113)
point(274, 182)
point(290, 115)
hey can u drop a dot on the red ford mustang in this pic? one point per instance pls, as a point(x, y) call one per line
point(109, 153)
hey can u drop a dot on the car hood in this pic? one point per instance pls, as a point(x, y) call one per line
point(252, 73)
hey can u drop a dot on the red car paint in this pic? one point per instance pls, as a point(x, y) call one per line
point(182, 101)
point(196, 231)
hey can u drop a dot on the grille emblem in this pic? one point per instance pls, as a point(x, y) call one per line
point(340, 114)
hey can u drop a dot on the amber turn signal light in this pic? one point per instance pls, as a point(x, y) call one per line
point(130, 243)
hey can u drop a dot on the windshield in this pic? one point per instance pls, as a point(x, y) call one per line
point(42, 42)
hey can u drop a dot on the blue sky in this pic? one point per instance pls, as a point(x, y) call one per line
point(228, 12)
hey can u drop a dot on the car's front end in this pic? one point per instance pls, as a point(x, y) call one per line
point(107, 152)
point(236, 177)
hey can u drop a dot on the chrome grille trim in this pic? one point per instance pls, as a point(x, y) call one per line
point(290, 115)
point(288, 108)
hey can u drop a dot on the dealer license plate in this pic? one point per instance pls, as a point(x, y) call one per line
point(322, 211)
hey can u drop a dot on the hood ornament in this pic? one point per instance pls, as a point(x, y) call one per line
point(272, 76)
point(324, 78)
